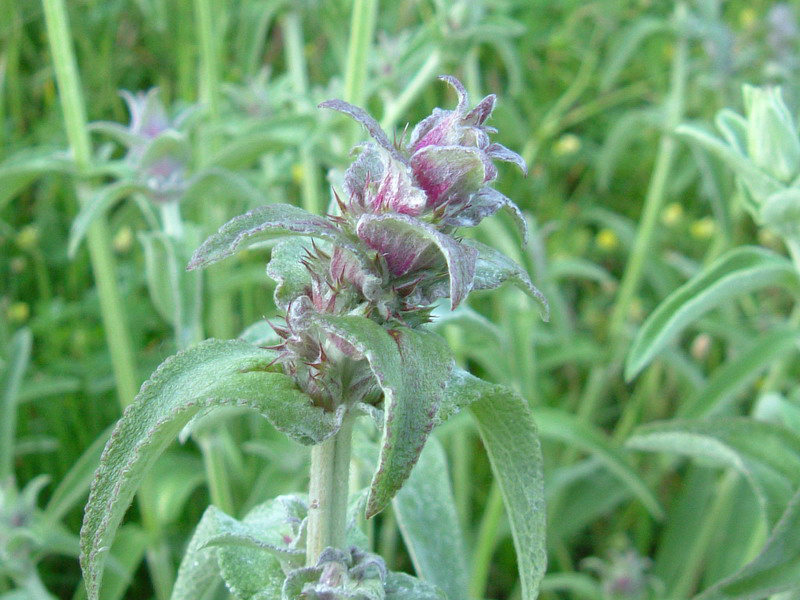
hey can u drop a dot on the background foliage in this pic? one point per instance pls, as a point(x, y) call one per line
point(589, 94)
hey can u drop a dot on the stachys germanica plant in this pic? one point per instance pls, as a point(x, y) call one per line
point(357, 288)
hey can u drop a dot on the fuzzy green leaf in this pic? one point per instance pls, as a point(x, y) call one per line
point(775, 570)
point(214, 373)
point(412, 368)
point(768, 456)
point(738, 272)
point(286, 269)
point(493, 269)
point(266, 222)
point(400, 586)
point(426, 513)
point(509, 434)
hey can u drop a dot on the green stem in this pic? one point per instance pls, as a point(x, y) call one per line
point(656, 191)
point(210, 91)
point(111, 306)
point(362, 28)
point(298, 72)
point(412, 90)
point(328, 492)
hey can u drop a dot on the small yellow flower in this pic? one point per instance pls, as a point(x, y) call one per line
point(123, 240)
point(18, 264)
point(567, 144)
point(297, 173)
point(703, 229)
point(28, 237)
point(607, 240)
point(18, 312)
point(747, 17)
point(672, 214)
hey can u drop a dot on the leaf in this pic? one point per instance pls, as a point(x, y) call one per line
point(768, 456)
point(737, 272)
point(400, 586)
point(18, 172)
point(75, 484)
point(18, 354)
point(426, 513)
point(565, 427)
point(213, 373)
point(409, 245)
point(264, 222)
point(411, 367)
point(760, 184)
point(510, 437)
point(199, 571)
point(739, 372)
point(370, 124)
point(493, 269)
point(285, 268)
point(96, 207)
point(171, 482)
point(627, 43)
point(776, 569)
point(276, 134)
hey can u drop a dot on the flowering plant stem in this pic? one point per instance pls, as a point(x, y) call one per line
point(111, 306)
point(328, 492)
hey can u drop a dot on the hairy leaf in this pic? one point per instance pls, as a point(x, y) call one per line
point(509, 434)
point(286, 269)
point(214, 373)
point(265, 222)
point(768, 456)
point(426, 513)
point(412, 368)
point(400, 586)
point(738, 272)
point(370, 124)
point(493, 269)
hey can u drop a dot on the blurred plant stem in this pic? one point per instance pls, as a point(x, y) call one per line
point(298, 71)
point(111, 305)
point(114, 319)
point(328, 492)
point(221, 307)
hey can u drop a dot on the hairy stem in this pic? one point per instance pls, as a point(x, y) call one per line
point(328, 492)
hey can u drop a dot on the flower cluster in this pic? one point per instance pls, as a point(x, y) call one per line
point(763, 149)
point(158, 151)
point(392, 250)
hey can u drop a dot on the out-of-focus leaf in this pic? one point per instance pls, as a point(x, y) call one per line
point(740, 372)
point(426, 513)
point(211, 374)
point(776, 569)
point(738, 272)
point(562, 426)
point(18, 355)
point(767, 455)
